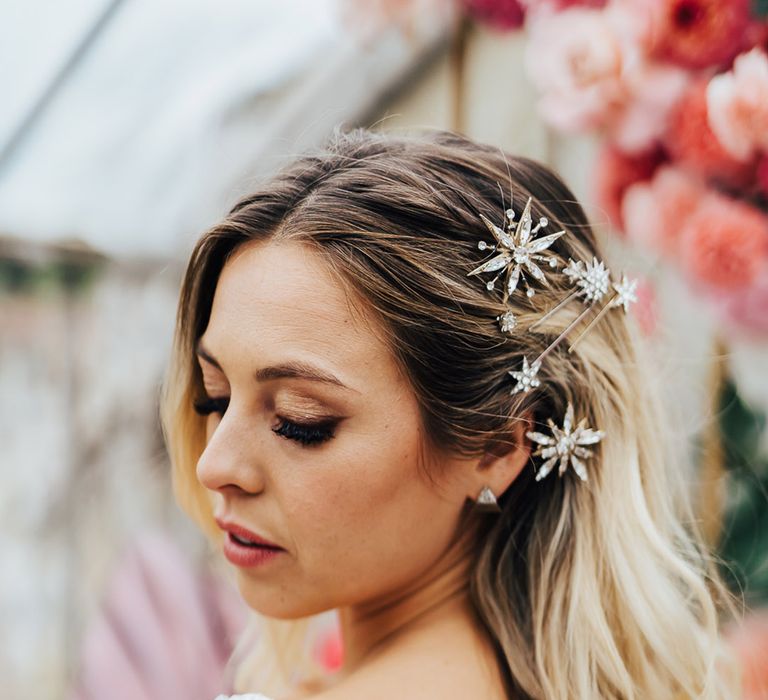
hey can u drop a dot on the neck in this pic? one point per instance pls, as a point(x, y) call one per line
point(438, 595)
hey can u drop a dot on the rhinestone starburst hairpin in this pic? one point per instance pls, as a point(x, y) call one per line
point(566, 444)
point(592, 282)
point(517, 251)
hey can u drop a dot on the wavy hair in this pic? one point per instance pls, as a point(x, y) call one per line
point(587, 589)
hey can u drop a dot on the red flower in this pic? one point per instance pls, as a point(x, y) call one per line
point(565, 4)
point(700, 33)
point(615, 172)
point(497, 14)
point(762, 174)
point(724, 243)
point(691, 141)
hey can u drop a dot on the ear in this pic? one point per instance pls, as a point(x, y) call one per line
point(504, 460)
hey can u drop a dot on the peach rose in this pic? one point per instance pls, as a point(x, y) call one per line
point(654, 90)
point(576, 59)
point(737, 105)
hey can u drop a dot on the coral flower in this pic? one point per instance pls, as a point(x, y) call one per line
point(737, 105)
point(691, 141)
point(654, 212)
point(724, 243)
point(700, 33)
point(749, 640)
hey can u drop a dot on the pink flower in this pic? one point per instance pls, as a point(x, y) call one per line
point(690, 140)
point(646, 310)
point(737, 105)
point(497, 14)
point(576, 59)
point(747, 310)
point(654, 212)
point(699, 33)
point(653, 91)
point(724, 243)
point(616, 171)
point(749, 640)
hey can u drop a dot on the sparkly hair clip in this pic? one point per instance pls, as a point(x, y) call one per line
point(517, 251)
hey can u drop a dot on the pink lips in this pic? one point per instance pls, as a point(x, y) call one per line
point(243, 554)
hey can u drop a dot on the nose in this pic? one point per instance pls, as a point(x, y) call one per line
point(230, 456)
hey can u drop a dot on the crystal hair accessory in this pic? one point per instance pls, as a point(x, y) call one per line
point(592, 281)
point(566, 444)
point(517, 251)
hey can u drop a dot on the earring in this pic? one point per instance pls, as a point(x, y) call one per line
point(486, 502)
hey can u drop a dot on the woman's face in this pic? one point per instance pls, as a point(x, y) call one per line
point(318, 447)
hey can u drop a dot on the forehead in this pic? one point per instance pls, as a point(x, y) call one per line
point(282, 300)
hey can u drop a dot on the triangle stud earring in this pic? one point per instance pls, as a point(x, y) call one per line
point(486, 501)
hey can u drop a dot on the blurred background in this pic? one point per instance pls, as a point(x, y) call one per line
point(129, 126)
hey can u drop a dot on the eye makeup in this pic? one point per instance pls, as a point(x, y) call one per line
point(307, 433)
point(207, 405)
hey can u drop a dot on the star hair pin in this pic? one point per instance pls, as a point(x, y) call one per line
point(517, 251)
point(566, 445)
point(592, 281)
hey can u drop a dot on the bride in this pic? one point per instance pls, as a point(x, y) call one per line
point(405, 388)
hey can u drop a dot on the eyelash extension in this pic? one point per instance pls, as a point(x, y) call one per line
point(305, 433)
point(206, 406)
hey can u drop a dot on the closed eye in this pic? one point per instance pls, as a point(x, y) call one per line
point(208, 405)
point(307, 434)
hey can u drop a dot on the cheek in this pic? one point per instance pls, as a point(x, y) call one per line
point(365, 520)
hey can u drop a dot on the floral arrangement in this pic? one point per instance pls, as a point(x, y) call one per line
point(677, 91)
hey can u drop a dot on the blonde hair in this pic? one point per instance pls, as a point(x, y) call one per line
point(597, 589)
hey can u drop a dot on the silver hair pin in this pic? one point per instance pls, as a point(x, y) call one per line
point(566, 444)
point(517, 253)
point(592, 281)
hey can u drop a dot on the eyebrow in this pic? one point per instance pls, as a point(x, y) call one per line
point(294, 369)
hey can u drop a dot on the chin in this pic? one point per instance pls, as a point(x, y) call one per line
point(274, 601)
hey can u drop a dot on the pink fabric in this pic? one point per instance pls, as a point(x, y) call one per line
point(164, 631)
